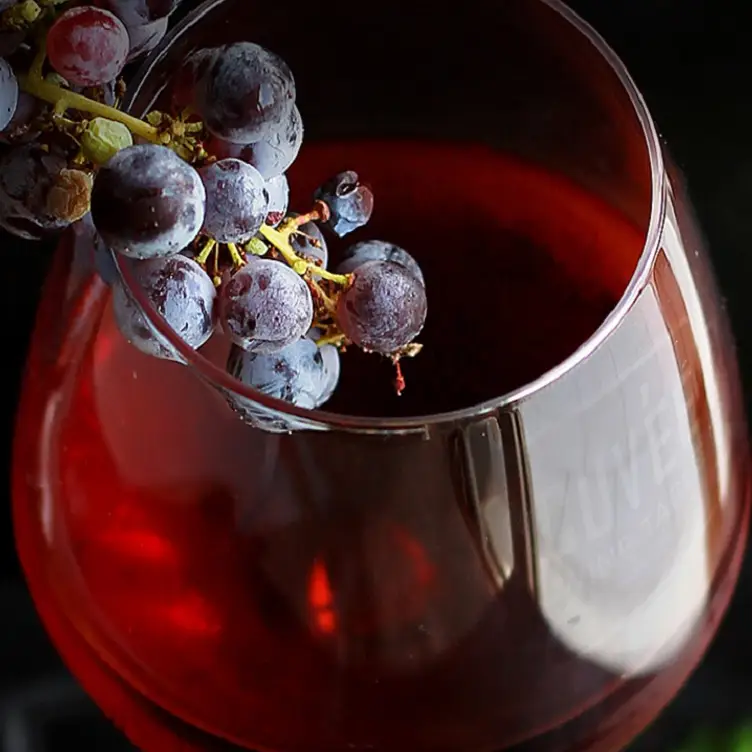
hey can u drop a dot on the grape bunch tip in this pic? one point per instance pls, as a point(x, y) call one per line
point(197, 198)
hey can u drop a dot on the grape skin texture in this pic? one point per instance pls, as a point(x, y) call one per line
point(236, 201)
point(384, 308)
point(278, 191)
point(349, 201)
point(88, 46)
point(181, 291)
point(303, 246)
point(322, 383)
point(273, 155)
point(296, 374)
point(8, 94)
point(379, 250)
point(28, 175)
point(147, 202)
point(244, 92)
point(265, 306)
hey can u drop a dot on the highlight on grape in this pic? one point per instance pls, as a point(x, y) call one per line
point(197, 197)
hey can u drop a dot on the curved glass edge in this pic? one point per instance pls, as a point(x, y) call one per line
point(319, 420)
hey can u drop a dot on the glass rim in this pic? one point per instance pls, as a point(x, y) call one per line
point(324, 420)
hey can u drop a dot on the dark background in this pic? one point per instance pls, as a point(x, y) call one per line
point(692, 60)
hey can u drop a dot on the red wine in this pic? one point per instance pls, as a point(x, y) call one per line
point(516, 274)
point(196, 609)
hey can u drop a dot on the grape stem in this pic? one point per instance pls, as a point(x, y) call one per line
point(399, 381)
point(337, 340)
point(280, 239)
point(237, 259)
point(61, 99)
point(326, 301)
point(205, 252)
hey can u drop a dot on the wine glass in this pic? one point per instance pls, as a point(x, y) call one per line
point(528, 551)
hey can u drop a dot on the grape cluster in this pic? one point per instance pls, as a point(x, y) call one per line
point(48, 161)
point(197, 199)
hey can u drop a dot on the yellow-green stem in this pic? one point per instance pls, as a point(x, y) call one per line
point(340, 279)
point(237, 259)
point(332, 339)
point(203, 256)
point(63, 100)
point(281, 241)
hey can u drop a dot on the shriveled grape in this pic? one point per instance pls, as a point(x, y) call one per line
point(29, 175)
point(349, 200)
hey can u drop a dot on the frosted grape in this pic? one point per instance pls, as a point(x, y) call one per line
point(236, 201)
point(265, 306)
point(384, 308)
point(147, 202)
point(180, 291)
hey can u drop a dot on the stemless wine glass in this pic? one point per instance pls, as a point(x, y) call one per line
point(538, 572)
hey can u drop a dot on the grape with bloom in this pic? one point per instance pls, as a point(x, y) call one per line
point(147, 202)
point(88, 46)
point(197, 199)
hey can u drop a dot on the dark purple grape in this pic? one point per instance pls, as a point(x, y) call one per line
point(29, 175)
point(181, 291)
point(140, 12)
point(265, 306)
point(8, 94)
point(378, 250)
point(278, 191)
point(349, 201)
point(273, 155)
point(384, 308)
point(147, 202)
point(145, 37)
point(244, 93)
point(296, 374)
point(236, 201)
point(304, 246)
